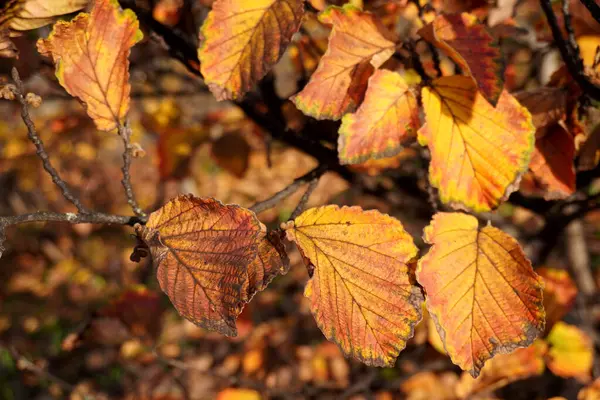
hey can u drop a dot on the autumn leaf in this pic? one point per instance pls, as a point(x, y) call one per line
point(388, 117)
point(202, 251)
point(91, 56)
point(478, 153)
point(23, 15)
point(571, 353)
point(547, 105)
point(552, 163)
point(559, 294)
point(361, 292)
point(468, 43)
point(504, 369)
point(241, 40)
point(270, 261)
point(481, 290)
point(590, 392)
point(7, 47)
point(358, 44)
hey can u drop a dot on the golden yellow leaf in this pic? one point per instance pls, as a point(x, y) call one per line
point(478, 152)
point(358, 44)
point(91, 56)
point(23, 15)
point(571, 353)
point(362, 293)
point(482, 292)
point(241, 40)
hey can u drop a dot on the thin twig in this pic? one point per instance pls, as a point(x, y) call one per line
point(71, 218)
point(312, 185)
point(575, 66)
point(39, 145)
point(593, 8)
point(571, 34)
point(125, 134)
point(289, 190)
point(26, 364)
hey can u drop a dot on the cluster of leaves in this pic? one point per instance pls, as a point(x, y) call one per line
point(368, 283)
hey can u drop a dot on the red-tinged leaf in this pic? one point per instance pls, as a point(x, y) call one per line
point(202, 251)
point(387, 118)
point(547, 105)
point(361, 293)
point(91, 57)
point(472, 47)
point(23, 15)
point(271, 260)
point(358, 44)
point(552, 164)
point(241, 40)
point(482, 292)
point(478, 153)
point(559, 294)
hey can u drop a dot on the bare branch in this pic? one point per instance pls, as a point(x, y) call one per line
point(278, 197)
point(593, 8)
point(568, 53)
point(39, 145)
point(125, 134)
point(71, 218)
point(302, 203)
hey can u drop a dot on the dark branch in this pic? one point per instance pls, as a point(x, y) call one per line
point(71, 218)
point(593, 8)
point(39, 145)
point(568, 53)
point(289, 190)
point(312, 185)
point(125, 134)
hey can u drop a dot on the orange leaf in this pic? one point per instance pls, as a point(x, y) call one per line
point(504, 369)
point(271, 260)
point(362, 293)
point(571, 353)
point(478, 153)
point(472, 47)
point(386, 119)
point(552, 163)
point(91, 56)
point(23, 15)
point(358, 44)
point(559, 294)
point(202, 251)
point(590, 392)
point(241, 40)
point(547, 105)
point(481, 290)
point(238, 394)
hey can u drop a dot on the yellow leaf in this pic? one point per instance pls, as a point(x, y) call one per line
point(361, 292)
point(23, 15)
point(358, 44)
point(571, 353)
point(242, 39)
point(387, 118)
point(478, 153)
point(482, 292)
point(91, 56)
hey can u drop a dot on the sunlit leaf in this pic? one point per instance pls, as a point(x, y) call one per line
point(504, 369)
point(559, 294)
point(22, 15)
point(590, 392)
point(481, 290)
point(547, 105)
point(202, 251)
point(571, 353)
point(242, 39)
point(472, 47)
point(361, 293)
point(358, 44)
point(388, 117)
point(91, 56)
point(238, 394)
point(478, 153)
